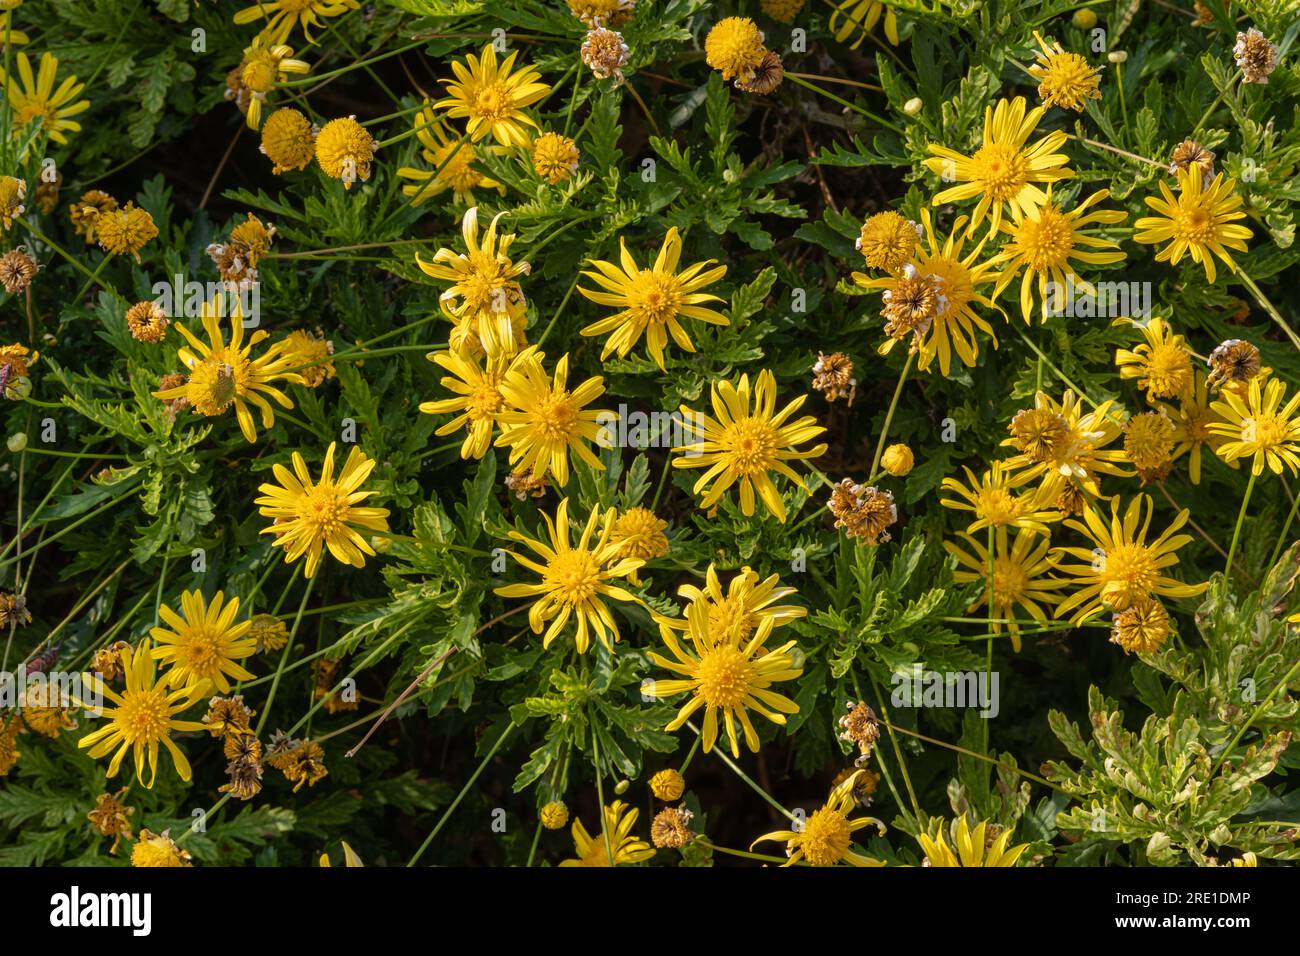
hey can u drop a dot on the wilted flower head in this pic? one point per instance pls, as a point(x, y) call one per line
point(87, 210)
point(147, 321)
point(12, 193)
point(125, 230)
point(914, 302)
point(111, 817)
point(833, 377)
point(768, 75)
point(1190, 153)
point(605, 53)
point(17, 269)
point(671, 828)
point(602, 13)
point(862, 512)
point(1256, 57)
point(1233, 362)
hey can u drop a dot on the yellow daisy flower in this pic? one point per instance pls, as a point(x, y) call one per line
point(619, 821)
point(736, 613)
point(1058, 441)
point(1122, 566)
point(1200, 221)
point(35, 99)
point(1192, 420)
point(826, 837)
point(309, 516)
point(1064, 79)
point(264, 65)
point(478, 399)
point(1260, 427)
point(1003, 172)
point(203, 642)
point(972, 847)
point(16, 37)
point(1162, 364)
point(1021, 569)
point(639, 533)
point(544, 420)
point(954, 323)
point(484, 286)
point(854, 19)
point(223, 374)
point(993, 501)
point(734, 47)
point(727, 676)
point(745, 444)
point(574, 580)
point(283, 15)
point(143, 716)
point(1046, 242)
point(652, 299)
point(491, 98)
point(451, 164)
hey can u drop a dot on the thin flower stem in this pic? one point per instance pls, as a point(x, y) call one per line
point(990, 598)
point(461, 796)
point(743, 854)
point(76, 609)
point(1116, 150)
point(1259, 709)
point(600, 791)
point(94, 277)
point(836, 79)
point(800, 81)
point(1236, 531)
point(746, 778)
point(284, 656)
point(573, 100)
point(690, 755)
point(898, 751)
point(978, 756)
point(1268, 307)
point(76, 264)
point(889, 415)
point(1286, 528)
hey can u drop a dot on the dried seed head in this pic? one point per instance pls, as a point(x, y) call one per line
point(1233, 362)
point(605, 53)
point(833, 377)
point(1256, 57)
point(1190, 153)
point(147, 322)
point(17, 269)
point(767, 75)
point(671, 828)
point(864, 513)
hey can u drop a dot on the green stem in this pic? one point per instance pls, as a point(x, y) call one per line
point(889, 415)
point(461, 796)
point(284, 655)
point(1236, 531)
